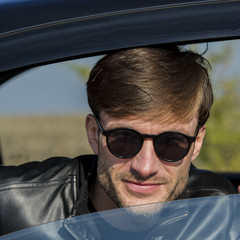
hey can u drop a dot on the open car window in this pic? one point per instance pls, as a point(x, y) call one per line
point(42, 111)
point(201, 218)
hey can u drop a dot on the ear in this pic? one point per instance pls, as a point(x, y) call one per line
point(198, 143)
point(92, 132)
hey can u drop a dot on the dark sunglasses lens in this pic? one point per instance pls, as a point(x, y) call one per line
point(171, 146)
point(124, 143)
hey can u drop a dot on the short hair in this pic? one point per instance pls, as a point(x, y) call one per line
point(153, 83)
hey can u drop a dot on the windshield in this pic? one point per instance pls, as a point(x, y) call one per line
point(199, 218)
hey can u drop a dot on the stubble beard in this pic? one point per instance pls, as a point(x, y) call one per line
point(106, 181)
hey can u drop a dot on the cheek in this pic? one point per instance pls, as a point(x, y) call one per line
point(104, 154)
point(108, 159)
point(110, 163)
point(179, 170)
point(182, 174)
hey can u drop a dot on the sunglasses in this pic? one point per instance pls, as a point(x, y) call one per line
point(126, 143)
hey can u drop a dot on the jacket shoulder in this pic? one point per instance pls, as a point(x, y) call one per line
point(204, 183)
point(37, 192)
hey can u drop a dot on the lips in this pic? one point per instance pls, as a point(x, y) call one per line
point(142, 188)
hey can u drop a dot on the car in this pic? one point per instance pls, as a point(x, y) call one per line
point(36, 36)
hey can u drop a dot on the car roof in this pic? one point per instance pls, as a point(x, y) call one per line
point(34, 32)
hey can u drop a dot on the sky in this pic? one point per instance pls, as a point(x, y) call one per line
point(51, 89)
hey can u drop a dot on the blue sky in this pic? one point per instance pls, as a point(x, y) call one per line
point(52, 89)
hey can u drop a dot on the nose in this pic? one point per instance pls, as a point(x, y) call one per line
point(146, 163)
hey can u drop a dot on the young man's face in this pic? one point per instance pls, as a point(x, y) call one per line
point(143, 178)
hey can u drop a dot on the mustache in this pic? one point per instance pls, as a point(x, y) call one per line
point(136, 177)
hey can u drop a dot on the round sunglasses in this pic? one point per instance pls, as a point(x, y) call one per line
point(126, 143)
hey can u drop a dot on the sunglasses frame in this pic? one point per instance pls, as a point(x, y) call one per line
point(142, 137)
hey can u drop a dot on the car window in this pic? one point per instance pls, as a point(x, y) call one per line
point(220, 151)
point(196, 218)
point(42, 110)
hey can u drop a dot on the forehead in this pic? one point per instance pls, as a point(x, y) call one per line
point(141, 123)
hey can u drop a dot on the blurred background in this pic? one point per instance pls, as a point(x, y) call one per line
point(42, 111)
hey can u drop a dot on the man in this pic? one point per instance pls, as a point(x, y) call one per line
point(150, 106)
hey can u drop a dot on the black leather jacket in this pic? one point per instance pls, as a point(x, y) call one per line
point(57, 188)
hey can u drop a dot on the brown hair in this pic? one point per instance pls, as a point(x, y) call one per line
point(152, 83)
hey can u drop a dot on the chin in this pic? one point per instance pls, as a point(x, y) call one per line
point(146, 210)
